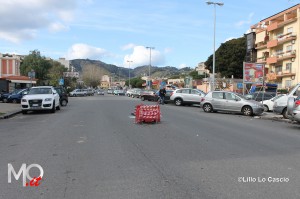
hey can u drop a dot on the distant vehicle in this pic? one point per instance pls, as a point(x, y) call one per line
point(63, 96)
point(136, 93)
point(78, 92)
point(186, 96)
point(110, 91)
point(268, 104)
point(148, 95)
point(119, 92)
point(89, 91)
point(40, 98)
point(260, 96)
point(4, 96)
point(230, 102)
point(100, 92)
point(16, 97)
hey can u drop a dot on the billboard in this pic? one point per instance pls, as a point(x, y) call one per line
point(253, 73)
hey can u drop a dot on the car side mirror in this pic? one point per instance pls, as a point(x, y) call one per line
point(25, 93)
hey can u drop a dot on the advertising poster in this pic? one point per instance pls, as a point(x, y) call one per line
point(253, 73)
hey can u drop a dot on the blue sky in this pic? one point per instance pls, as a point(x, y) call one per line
point(115, 31)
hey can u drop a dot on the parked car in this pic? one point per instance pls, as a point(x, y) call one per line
point(40, 98)
point(268, 104)
point(260, 96)
point(4, 96)
point(136, 93)
point(230, 102)
point(149, 95)
point(132, 91)
point(63, 96)
point(100, 92)
point(167, 97)
point(89, 92)
point(186, 96)
point(293, 109)
point(78, 92)
point(16, 97)
point(280, 104)
point(119, 92)
point(110, 91)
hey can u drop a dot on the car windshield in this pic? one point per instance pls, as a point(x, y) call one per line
point(35, 91)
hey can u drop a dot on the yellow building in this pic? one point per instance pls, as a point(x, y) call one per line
point(277, 46)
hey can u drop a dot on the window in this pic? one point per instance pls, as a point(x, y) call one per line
point(218, 95)
point(290, 30)
point(278, 69)
point(288, 83)
point(230, 96)
point(194, 92)
point(288, 67)
point(186, 91)
point(289, 48)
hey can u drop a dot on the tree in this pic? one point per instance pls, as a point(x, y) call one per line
point(194, 75)
point(34, 61)
point(55, 72)
point(136, 82)
point(91, 75)
point(229, 58)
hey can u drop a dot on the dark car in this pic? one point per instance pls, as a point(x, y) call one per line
point(149, 95)
point(63, 96)
point(4, 96)
point(260, 96)
point(167, 97)
point(16, 97)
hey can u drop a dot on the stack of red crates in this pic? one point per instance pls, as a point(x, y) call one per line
point(147, 113)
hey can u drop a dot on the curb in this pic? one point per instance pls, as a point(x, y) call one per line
point(9, 115)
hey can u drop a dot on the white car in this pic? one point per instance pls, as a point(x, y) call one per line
point(268, 104)
point(78, 92)
point(40, 98)
point(187, 96)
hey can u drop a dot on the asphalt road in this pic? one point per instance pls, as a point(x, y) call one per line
point(92, 149)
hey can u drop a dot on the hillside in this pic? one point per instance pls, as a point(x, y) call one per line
point(109, 69)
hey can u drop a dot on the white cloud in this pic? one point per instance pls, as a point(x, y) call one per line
point(141, 56)
point(245, 22)
point(128, 46)
point(84, 51)
point(56, 27)
point(36, 15)
point(168, 50)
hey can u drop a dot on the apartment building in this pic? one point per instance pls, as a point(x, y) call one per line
point(274, 41)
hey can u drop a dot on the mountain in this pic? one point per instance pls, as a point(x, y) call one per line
point(110, 69)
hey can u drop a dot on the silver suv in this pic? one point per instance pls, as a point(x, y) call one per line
point(186, 96)
point(230, 102)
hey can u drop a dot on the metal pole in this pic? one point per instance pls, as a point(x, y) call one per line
point(129, 61)
point(214, 53)
point(150, 48)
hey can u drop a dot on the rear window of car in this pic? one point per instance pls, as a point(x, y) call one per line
point(218, 95)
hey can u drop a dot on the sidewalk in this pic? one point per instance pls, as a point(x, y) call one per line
point(8, 110)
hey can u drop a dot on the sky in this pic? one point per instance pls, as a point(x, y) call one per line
point(117, 31)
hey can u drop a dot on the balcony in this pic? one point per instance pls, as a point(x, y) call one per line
point(282, 39)
point(287, 73)
point(279, 24)
point(260, 45)
point(261, 60)
point(281, 56)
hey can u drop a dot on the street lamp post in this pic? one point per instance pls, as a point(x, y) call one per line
point(150, 48)
point(214, 56)
point(129, 61)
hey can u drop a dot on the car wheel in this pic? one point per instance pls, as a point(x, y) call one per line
point(63, 103)
point(53, 108)
point(75, 95)
point(266, 108)
point(143, 98)
point(247, 111)
point(178, 102)
point(207, 108)
point(4, 100)
point(15, 101)
point(24, 112)
point(285, 113)
point(58, 107)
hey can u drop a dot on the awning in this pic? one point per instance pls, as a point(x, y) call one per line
point(23, 81)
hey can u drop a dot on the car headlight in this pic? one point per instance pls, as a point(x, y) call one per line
point(24, 100)
point(48, 99)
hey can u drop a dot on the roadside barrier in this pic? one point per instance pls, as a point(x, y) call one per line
point(147, 113)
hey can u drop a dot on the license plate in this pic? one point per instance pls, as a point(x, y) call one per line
point(35, 105)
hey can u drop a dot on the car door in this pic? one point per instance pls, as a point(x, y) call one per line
point(185, 94)
point(196, 96)
point(232, 103)
point(218, 100)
